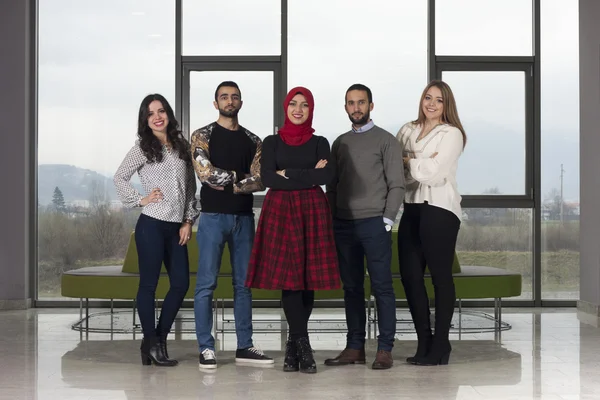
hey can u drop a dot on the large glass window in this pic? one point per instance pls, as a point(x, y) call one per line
point(232, 27)
point(382, 44)
point(96, 63)
point(498, 237)
point(491, 106)
point(560, 148)
point(483, 28)
point(257, 91)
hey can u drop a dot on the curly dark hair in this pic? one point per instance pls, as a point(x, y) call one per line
point(150, 144)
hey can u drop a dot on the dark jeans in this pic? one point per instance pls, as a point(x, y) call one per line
point(427, 237)
point(354, 240)
point(157, 242)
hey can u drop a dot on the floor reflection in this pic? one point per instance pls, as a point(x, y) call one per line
point(548, 354)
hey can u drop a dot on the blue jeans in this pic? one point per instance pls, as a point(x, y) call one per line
point(157, 242)
point(354, 240)
point(214, 230)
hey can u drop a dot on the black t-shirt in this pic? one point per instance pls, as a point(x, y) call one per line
point(231, 151)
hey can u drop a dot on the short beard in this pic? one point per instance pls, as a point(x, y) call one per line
point(363, 121)
point(229, 114)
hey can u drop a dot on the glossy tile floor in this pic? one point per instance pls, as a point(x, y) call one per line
point(548, 354)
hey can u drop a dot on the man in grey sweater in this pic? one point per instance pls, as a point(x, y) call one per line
point(365, 197)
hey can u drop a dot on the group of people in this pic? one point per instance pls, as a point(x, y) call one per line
point(306, 239)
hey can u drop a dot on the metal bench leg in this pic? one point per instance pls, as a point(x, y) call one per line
point(459, 319)
point(222, 324)
point(133, 317)
point(500, 313)
point(80, 317)
point(375, 317)
point(178, 326)
point(87, 316)
point(223, 316)
point(156, 311)
point(499, 318)
point(219, 309)
point(496, 325)
point(368, 318)
point(215, 310)
point(112, 313)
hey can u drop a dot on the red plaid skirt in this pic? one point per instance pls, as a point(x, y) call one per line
point(294, 248)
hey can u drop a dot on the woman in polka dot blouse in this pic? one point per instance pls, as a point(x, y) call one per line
point(162, 159)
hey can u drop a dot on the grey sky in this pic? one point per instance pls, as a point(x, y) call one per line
point(98, 60)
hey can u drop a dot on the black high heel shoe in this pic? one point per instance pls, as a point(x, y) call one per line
point(152, 353)
point(431, 360)
point(291, 362)
point(439, 355)
point(162, 342)
point(305, 356)
point(423, 347)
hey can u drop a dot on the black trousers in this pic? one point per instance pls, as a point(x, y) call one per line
point(297, 306)
point(427, 238)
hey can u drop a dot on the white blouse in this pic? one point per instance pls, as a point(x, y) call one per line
point(432, 179)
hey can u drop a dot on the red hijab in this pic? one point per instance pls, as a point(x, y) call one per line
point(296, 135)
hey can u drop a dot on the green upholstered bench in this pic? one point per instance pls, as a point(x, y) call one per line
point(472, 282)
point(121, 282)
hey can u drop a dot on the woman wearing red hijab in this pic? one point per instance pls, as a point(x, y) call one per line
point(294, 249)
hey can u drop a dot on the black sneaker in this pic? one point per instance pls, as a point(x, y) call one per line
point(252, 355)
point(207, 359)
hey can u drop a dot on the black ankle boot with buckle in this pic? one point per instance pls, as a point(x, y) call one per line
point(305, 356)
point(291, 361)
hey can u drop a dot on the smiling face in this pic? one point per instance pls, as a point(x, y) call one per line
point(298, 110)
point(158, 120)
point(433, 104)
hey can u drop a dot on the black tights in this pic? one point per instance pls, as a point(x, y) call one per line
point(297, 306)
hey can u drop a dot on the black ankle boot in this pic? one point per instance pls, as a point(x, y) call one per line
point(162, 342)
point(305, 356)
point(418, 305)
point(423, 347)
point(290, 362)
point(438, 355)
point(152, 352)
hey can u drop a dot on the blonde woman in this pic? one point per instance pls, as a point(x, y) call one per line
point(429, 226)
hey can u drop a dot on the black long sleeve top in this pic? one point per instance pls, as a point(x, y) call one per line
point(298, 162)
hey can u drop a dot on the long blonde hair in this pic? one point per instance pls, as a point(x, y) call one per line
point(450, 113)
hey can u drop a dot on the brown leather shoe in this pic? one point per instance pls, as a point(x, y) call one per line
point(383, 360)
point(347, 356)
